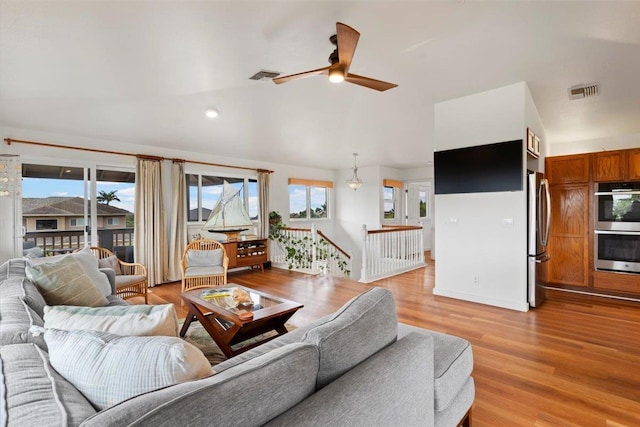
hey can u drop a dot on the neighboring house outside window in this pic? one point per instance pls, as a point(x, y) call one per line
point(113, 221)
point(203, 191)
point(46, 224)
point(76, 222)
point(391, 194)
point(309, 199)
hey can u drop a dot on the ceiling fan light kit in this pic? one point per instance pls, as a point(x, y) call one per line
point(346, 40)
point(336, 75)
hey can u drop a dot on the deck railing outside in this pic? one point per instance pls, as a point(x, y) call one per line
point(118, 240)
point(390, 251)
point(310, 251)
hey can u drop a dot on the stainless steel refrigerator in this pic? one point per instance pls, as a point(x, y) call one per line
point(539, 213)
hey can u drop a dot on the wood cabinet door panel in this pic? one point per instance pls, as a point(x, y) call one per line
point(569, 207)
point(568, 261)
point(609, 166)
point(567, 169)
point(634, 164)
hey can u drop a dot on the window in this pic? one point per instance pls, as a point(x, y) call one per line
point(46, 224)
point(424, 212)
point(203, 192)
point(76, 222)
point(390, 192)
point(308, 199)
point(113, 221)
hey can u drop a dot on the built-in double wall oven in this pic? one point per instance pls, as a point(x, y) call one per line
point(617, 227)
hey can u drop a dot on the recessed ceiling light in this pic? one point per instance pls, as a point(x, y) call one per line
point(211, 112)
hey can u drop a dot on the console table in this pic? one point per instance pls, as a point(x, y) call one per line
point(247, 253)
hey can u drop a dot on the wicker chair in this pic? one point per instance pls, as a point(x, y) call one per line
point(204, 264)
point(131, 278)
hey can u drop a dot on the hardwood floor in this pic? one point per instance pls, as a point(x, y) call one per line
point(574, 361)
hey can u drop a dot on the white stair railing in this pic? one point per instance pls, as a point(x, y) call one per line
point(390, 251)
point(309, 251)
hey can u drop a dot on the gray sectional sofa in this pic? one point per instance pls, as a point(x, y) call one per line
point(356, 367)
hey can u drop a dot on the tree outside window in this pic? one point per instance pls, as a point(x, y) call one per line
point(308, 202)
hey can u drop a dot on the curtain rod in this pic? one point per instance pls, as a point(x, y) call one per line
point(9, 141)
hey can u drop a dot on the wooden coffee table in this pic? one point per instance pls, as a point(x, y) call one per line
point(219, 316)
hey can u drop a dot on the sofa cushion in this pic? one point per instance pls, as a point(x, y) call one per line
point(391, 388)
point(108, 368)
point(362, 327)
point(110, 262)
point(247, 395)
point(16, 318)
point(13, 267)
point(88, 262)
point(127, 320)
point(34, 394)
point(24, 288)
point(453, 364)
point(65, 282)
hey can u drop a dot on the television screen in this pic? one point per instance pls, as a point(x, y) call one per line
point(479, 169)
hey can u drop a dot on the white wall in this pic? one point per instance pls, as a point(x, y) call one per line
point(593, 145)
point(355, 209)
point(471, 239)
point(278, 198)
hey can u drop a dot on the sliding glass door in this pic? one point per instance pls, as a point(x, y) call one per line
point(65, 208)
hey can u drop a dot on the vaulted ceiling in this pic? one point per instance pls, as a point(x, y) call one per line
point(145, 71)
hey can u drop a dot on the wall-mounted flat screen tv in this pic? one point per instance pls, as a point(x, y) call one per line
point(479, 169)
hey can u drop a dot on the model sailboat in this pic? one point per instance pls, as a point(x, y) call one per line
point(228, 215)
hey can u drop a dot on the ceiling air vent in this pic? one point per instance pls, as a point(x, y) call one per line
point(584, 90)
point(264, 75)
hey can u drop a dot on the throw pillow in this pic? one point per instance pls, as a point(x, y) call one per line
point(89, 263)
point(126, 320)
point(65, 282)
point(197, 258)
point(34, 252)
point(108, 368)
point(110, 262)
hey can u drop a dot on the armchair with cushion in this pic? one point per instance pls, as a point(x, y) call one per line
point(204, 264)
point(131, 277)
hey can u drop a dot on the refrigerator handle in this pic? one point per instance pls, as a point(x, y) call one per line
point(547, 226)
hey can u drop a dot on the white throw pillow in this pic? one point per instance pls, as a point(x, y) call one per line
point(65, 282)
point(198, 258)
point(126, 320)
point(110, 262)
point(89, 263)
point(108, 368)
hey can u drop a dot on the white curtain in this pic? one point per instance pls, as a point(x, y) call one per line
point(10, 207)
point(178, 234)
point(150, 234)
point(263, 203)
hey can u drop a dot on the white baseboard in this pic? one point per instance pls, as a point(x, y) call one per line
point(511, 305)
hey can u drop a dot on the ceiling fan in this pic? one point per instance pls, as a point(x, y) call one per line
point(345, 39)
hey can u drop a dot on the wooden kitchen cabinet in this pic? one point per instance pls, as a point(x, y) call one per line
point(569, 235)
point(609, 166)
point(573, 169)
point(633, 164)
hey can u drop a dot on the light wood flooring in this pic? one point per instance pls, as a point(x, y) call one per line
point(574, 361)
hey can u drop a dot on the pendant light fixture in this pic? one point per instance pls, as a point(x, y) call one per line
point(355, 182)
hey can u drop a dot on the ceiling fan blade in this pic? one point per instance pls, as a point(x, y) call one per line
point(369, 82)
point(347, 42)
point(316, 72)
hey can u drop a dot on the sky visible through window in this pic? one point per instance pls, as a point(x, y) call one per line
point(46, 187)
